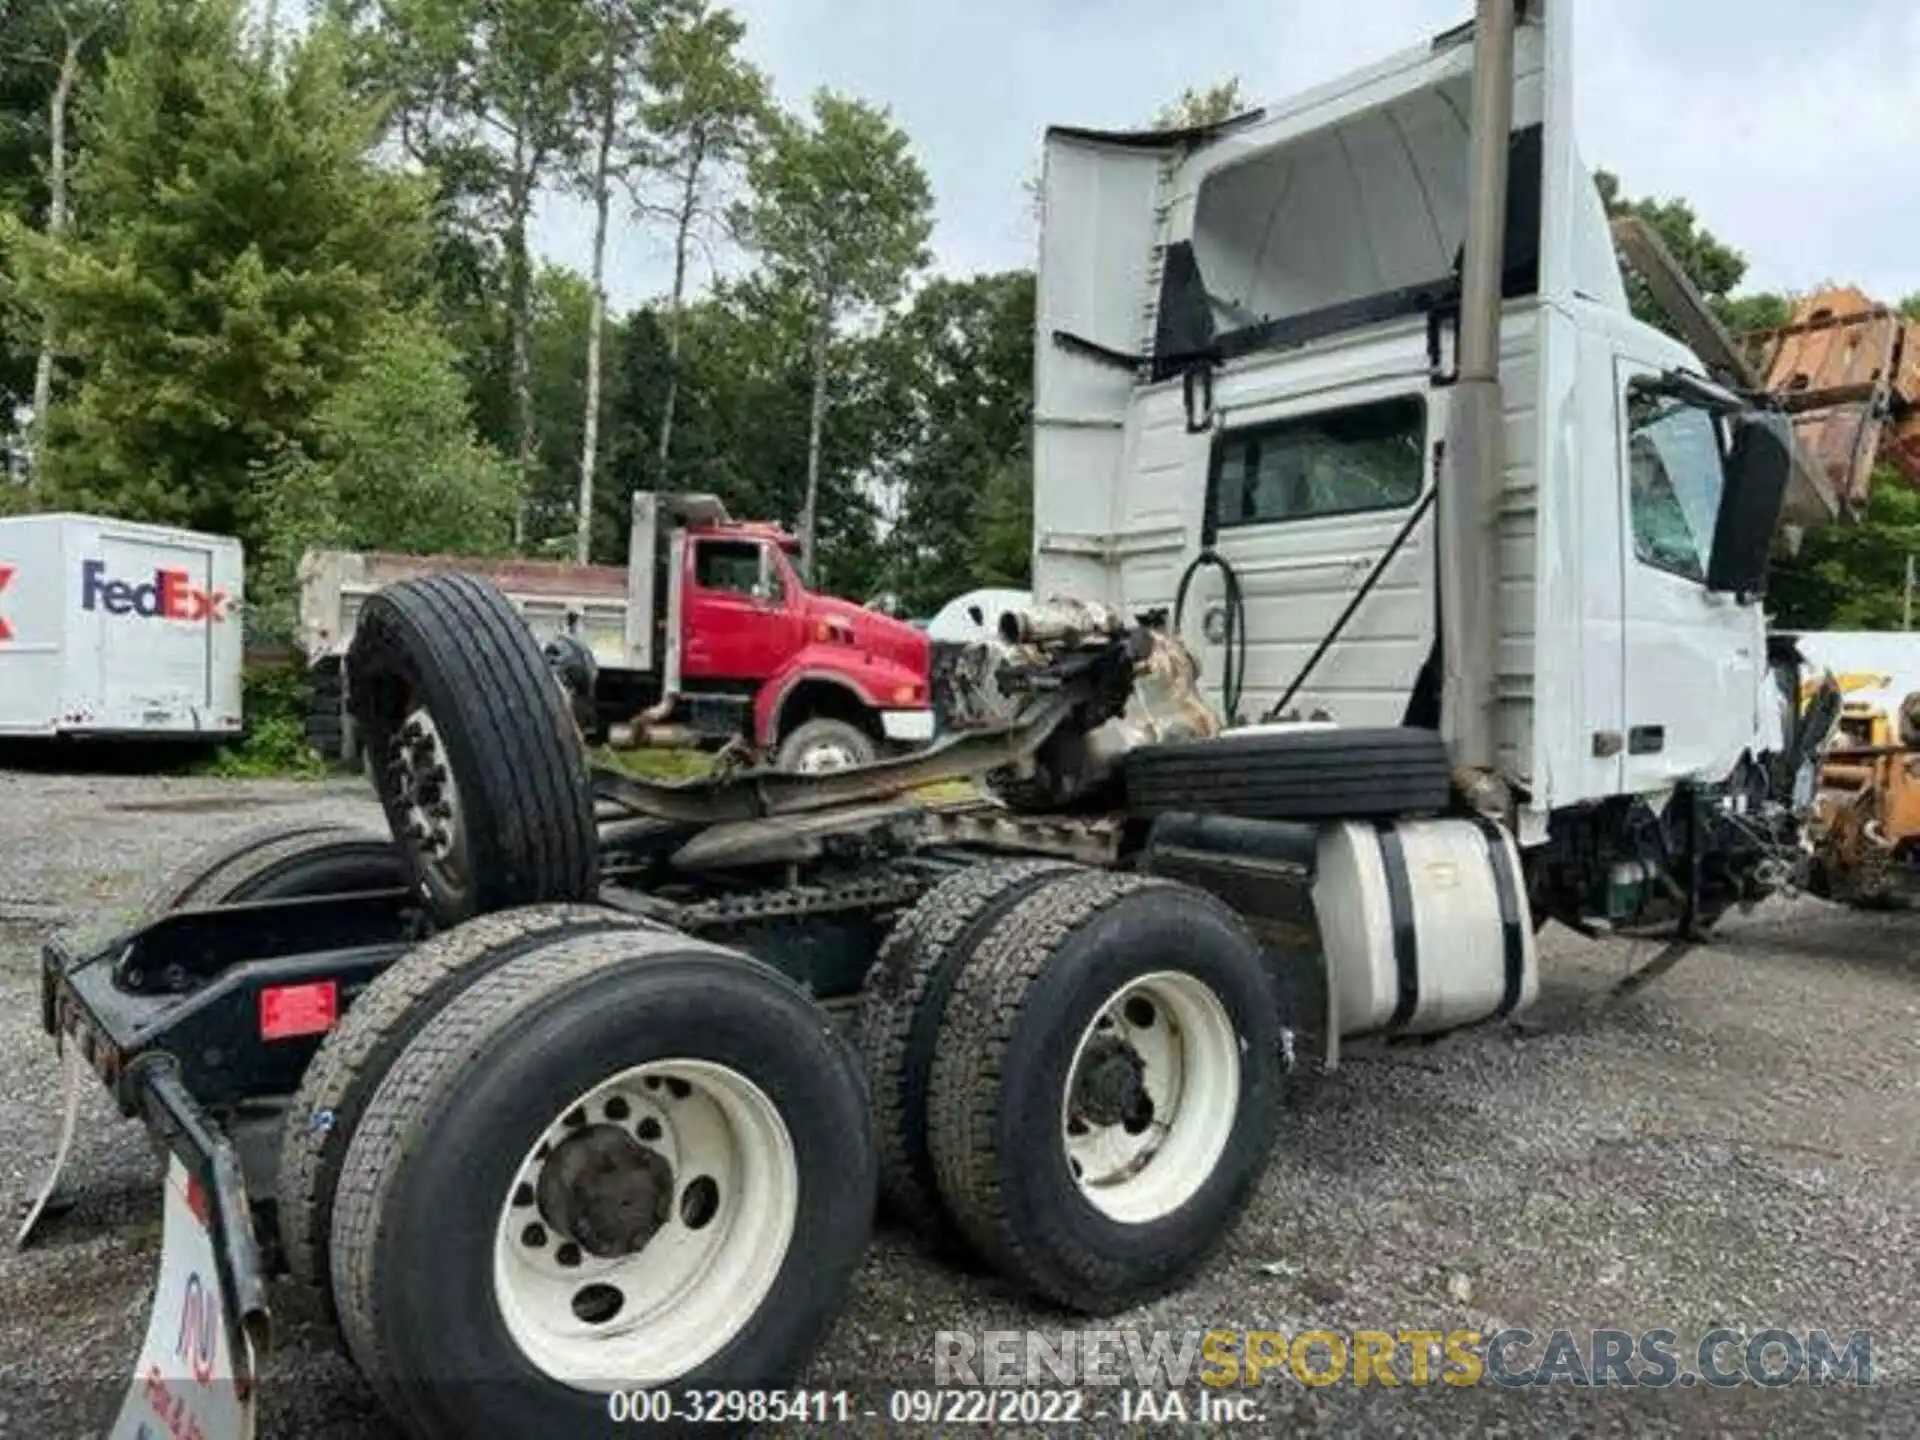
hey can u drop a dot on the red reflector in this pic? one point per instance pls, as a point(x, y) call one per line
point(289, 1011)
point(198, 1202)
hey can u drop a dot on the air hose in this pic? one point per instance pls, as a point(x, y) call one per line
point(1233, 671)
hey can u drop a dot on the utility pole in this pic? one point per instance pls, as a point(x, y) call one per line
point(1906, 607)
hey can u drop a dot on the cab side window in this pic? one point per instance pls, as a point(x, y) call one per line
point(1676, 477)
point(731, 565)
point(1339, 462)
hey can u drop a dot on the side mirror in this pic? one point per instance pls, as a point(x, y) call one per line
point(1759, 466)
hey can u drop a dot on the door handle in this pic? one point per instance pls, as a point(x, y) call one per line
point(1646, 739)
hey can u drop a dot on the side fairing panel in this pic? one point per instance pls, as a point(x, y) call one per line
point(1098, 253)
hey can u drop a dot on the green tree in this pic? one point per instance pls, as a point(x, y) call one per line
point(491, 92)
point(745, 406)
point(232, 245)
point(841, 213)
point(708, 106)
point(961, 358)
point(72, 31)
point(391, 464)
point(50, 52)
point(1715, 268)
point(560, 359)
point(1001, 547)
point(624, 36)
point(1852, 577)
point(1197, 108)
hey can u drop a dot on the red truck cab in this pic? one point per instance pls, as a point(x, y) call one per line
point(830, 682)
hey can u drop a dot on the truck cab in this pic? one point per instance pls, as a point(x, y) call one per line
point(844, 679)
point(1246, 365)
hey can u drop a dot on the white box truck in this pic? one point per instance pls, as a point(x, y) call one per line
point(114, 629)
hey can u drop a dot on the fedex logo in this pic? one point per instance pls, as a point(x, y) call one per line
point(170, 595)
point(6, 578)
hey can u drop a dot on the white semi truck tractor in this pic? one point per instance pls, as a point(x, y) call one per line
point(1398, 592)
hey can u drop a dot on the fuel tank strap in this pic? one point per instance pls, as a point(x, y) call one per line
point(1406, 935)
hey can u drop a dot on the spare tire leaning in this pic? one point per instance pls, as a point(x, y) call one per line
point(277, 862)
point(1293, 775)
point(474, 755)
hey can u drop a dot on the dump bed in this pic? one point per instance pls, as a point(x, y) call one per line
point(334, 584)
point(1848, 370)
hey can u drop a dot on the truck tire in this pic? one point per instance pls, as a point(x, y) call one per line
point(1104, 1096)
point(475, 758)
point(327, 708)
point(1294, 775)
point(825, 744)
point(901, 1008)
point(355, 1056)
point(279, 862)
point(560, 1115)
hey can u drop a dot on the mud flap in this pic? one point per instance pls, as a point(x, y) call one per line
point(207, 1331)
point(74, 1074)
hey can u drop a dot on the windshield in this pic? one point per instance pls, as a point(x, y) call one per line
point(1677, 478)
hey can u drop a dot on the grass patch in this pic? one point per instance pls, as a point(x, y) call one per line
point(274, 699)
point(653, 764)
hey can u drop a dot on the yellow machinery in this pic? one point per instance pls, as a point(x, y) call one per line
point(1866, 830)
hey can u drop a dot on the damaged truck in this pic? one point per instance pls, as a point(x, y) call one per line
point(1399, 593)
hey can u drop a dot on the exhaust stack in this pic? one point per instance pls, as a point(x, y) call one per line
point(1471, 484)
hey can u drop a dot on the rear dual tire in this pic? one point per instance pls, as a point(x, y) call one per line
point(467, 1323)
point(1102, 1089)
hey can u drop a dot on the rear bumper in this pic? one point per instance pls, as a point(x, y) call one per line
point(907, 726)
point(186, 990)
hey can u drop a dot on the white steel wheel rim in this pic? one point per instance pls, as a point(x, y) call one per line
point(1188, 1055)
point(701, 1278)
point(825, 755)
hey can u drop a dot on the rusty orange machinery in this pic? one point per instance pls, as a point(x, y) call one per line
point(1866, 829)
point(1847, 368)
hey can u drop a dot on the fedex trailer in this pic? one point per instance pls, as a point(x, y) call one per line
point(110, 629)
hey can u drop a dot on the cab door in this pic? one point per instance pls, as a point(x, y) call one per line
point(1692, 659)
point(737, 621)
point(1306, 498)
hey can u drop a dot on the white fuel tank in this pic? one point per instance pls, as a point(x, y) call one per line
point(1425, 924)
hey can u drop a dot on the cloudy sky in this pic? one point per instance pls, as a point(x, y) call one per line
point(1796, 138)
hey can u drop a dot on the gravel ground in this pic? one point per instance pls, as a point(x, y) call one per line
point(1734, 1145)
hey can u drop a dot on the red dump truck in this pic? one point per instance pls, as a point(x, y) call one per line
point(709, 633)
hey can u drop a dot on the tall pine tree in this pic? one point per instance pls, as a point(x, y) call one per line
point(233, 245)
